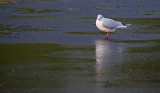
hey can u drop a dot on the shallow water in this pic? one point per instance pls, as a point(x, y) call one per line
point(54, 46)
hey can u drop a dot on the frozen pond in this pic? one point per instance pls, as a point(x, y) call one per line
point(53, 46)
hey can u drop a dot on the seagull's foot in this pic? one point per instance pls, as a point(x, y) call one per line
point(106, 38)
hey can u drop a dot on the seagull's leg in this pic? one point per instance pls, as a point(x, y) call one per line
point(107, 36)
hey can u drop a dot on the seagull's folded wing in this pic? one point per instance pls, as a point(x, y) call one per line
point(111, 24)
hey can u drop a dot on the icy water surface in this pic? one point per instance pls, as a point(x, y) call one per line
point(53, 46)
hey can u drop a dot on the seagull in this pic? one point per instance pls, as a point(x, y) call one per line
point(108, 25)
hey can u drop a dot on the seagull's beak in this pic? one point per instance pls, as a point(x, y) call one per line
point(99, 18)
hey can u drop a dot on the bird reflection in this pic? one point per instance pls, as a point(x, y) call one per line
point(106, 51)
point(107, 54)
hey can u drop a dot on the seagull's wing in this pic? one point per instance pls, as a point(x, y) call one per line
point(111, 24)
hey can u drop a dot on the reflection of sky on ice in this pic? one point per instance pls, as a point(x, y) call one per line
point(107, 54)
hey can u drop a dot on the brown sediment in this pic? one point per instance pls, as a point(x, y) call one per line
point(8, 1)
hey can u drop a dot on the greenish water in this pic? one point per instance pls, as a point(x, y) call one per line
point(54, 67)
point(43, 65)
point(53, 46)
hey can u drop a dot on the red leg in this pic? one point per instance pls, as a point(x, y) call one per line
point(107, 36)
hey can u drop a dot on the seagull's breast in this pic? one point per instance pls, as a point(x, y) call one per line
point(101, 27)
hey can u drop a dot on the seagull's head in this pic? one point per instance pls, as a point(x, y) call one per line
point(99, 17)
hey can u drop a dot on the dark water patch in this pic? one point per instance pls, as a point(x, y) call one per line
point(42, 52)
point(141, 72)
point(4, 33)
point(26, 10)
point(132, 41)
point(7, 30)
point(147, 32)
point(143, 49)
point(85, 33)
point(50, 10)
point(118, 83)
point(137, 41)
point(31, 10)
point(14, 52)
point(140, 21)
point(105, 7)
point(156, 12)
point(31, 16)
point(14, 29)
point(4, 7)
point(43, 65)
point(80, 48)
point(75, 67)
point(88, 33)
point(148, 29)
point(85, 18)
point(154, 26)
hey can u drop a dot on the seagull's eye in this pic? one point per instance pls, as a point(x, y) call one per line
point(99, 18)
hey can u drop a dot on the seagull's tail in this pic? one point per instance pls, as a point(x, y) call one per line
point(124, 26)
point(121, 27)
point(128, 25)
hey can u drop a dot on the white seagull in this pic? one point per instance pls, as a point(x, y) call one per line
point(108, 25)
